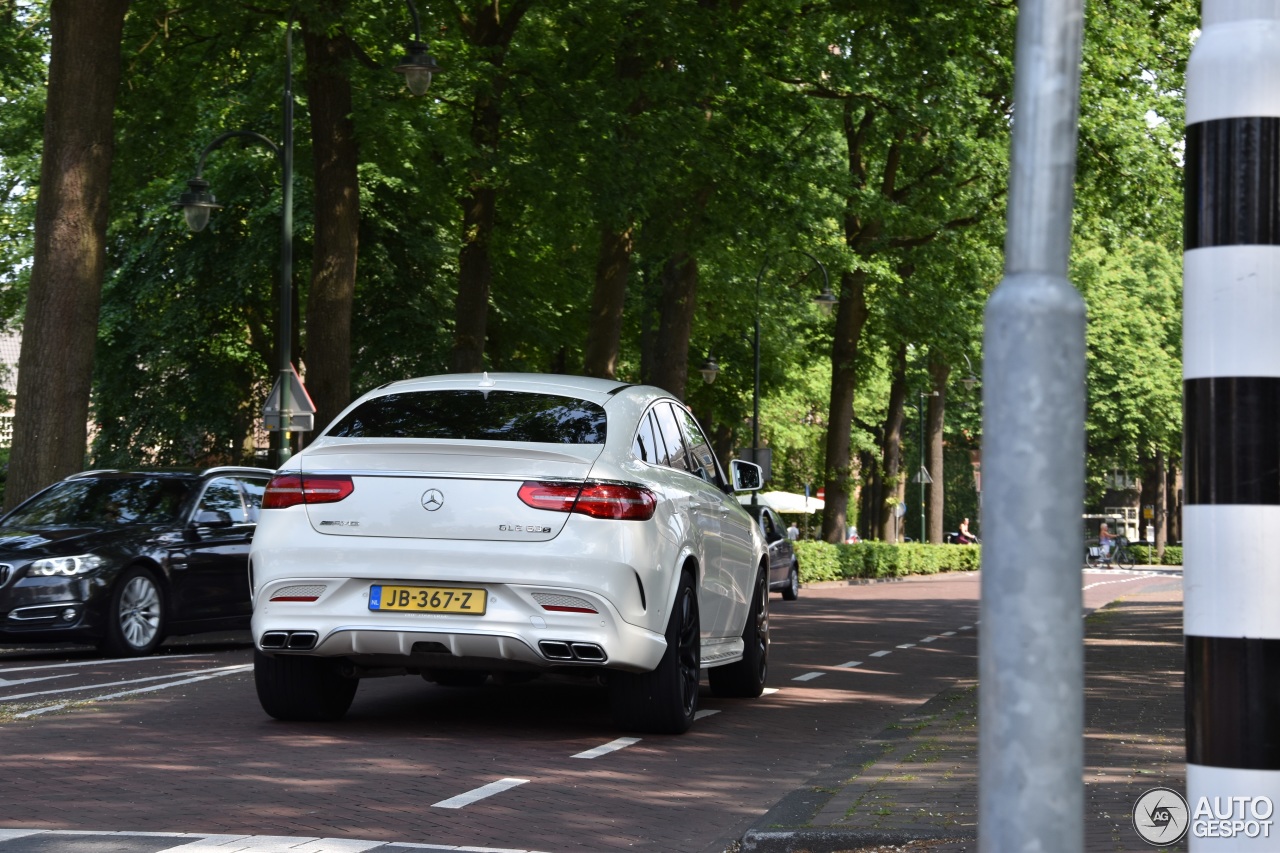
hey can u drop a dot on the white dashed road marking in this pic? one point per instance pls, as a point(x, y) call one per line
point(706, 713)
point(809, 676)
point(947, 634)
point(611, 746)
point(928, 639)
point(217, 673)
point(907, 646)
point(966, 627)
point(200, 843)
point(850, 664)
point(881, 654)
point(463, 800)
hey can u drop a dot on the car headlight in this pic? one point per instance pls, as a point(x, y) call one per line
point(66, 566)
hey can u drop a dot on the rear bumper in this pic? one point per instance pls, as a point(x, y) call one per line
point(514, 633)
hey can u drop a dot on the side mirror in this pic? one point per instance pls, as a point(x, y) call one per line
point(212, 518)
point(747, 476)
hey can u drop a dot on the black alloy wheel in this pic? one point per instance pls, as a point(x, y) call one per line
point(746, 678)
point(665, 700)
point(302, 688)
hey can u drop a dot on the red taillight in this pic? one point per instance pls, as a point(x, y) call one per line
point(598, 500)
point(286, 490)
point(557, 497)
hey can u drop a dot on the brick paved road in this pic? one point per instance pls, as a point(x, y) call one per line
point(203, 758)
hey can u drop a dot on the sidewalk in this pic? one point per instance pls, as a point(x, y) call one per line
point(915, 788)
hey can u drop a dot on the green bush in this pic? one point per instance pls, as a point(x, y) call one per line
point(823, 561)
point(1172, 555)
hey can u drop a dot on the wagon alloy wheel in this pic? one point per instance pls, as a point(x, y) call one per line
point(665, 700)
point(746, 678)
point(135, 618)
point(791, 591)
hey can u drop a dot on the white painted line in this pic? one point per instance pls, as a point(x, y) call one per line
point(256, 843)
point(769, 691)
point(907, 646)
point(880, 654)
point(611, 746)
point(92, 663)
point(17, 681)
point(274, 844)
point(928, 639)
point(213, 674)
point(966, 627)
point(947, 634)
point(479, 794)
point(218, 670)
point(809, 676)
point(850, 664)
point(707, 713)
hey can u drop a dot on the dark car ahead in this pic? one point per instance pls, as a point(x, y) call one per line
point(123, 559)
point(784, 566)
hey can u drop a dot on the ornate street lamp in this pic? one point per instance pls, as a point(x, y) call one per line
point(710, 369)
point(197, 203)
point(418, 66)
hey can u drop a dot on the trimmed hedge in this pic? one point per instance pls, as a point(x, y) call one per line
point(823, 561)
point(1172, 555)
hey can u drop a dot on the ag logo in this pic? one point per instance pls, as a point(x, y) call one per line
point(432, 500)
point(1160, 816)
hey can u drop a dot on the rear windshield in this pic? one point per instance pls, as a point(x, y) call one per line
point(476, 416)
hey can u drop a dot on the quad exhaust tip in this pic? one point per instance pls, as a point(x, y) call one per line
point(579, 652)
point(292, 641)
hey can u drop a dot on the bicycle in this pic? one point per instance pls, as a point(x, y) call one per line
point(1121, 555)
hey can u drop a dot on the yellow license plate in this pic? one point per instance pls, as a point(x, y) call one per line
point(428, 599)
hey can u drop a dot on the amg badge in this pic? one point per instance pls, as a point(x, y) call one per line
point(523, 528)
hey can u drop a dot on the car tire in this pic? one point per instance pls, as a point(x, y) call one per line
point(791, 591)
point(745, 678)
point(300, 688)
point(665, 700)
point(457, 677)
point(136, 618)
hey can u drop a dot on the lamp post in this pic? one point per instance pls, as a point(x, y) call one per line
point(197, 202)
point(826, 299)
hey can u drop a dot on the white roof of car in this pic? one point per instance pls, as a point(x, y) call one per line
point(585, 387)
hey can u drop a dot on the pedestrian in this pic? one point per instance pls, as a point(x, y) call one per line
point(853, 535)
point(965, 537)
point(793, 532)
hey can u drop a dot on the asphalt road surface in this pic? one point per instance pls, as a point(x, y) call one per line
point(173, 752)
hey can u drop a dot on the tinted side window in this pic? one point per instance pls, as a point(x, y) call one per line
point(253, 490)
point(647, 445)
point(223, 495)
point(476, 416)
point(704, 459)
point(671, 437)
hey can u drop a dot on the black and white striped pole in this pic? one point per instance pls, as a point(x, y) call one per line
point(1231, 388)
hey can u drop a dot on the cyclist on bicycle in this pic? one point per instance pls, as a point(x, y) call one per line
point(1106, 539)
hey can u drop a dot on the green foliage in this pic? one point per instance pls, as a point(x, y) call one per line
point(1142, 555)
point(823, 561)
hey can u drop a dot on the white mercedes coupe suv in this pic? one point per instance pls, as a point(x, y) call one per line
point(462, 526)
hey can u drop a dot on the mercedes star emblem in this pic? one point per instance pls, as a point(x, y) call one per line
point(432, 500)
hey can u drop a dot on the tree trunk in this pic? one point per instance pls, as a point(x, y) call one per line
point(337, 224)
point(938, 373)
point(55, 366)
point(489, 28)
point(676, 308)
point(894, 420)
point(608, 299)
point(851, 316)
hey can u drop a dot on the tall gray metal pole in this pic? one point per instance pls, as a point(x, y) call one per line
point(1031, 661)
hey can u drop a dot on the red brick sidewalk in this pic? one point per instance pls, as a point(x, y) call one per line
point(916, 786)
